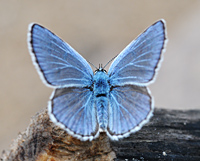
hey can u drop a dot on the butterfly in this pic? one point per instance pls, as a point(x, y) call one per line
point(85, 103)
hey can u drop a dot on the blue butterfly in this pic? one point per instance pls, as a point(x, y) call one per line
point(84, 102)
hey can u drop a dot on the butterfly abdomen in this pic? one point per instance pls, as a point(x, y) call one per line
point(102, 111)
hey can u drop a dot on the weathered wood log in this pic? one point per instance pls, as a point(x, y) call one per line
point(170, 135)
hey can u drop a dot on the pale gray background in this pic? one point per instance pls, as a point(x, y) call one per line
point(98, 30)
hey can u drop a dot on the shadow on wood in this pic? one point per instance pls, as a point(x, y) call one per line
point(170, 135)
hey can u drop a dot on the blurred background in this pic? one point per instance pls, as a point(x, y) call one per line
point(98, 30)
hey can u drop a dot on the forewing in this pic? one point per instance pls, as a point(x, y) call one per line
point(130, 108)
point(138, 62)
point(56, 61)
point(73, 109)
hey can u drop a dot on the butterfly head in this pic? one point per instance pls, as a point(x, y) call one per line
point(100, 69)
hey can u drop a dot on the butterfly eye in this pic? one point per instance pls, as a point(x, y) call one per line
point(103, 70)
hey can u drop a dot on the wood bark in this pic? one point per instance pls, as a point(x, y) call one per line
point(170, 135)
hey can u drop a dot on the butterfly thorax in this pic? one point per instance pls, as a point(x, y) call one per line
point(101, 83)
point(101, 91)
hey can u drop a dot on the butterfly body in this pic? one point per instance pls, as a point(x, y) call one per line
point(101, 92)
point(85, 103)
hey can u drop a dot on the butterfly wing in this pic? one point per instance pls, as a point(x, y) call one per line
point(58, 64)
point(138, 62)
point(73, 109)
point(130, 108)
point(71, 106)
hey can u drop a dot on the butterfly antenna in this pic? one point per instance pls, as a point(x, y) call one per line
point(92, 65)
point(110, 61)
